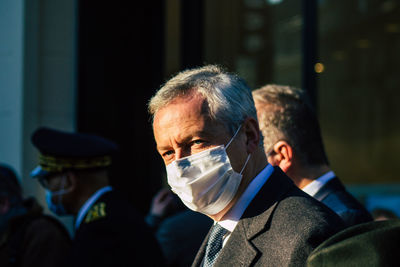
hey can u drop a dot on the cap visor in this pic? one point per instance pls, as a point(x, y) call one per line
point(38, 172)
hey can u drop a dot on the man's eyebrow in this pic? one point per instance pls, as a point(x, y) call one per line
point(163, 148)
point(201, 134)
point(159, 148)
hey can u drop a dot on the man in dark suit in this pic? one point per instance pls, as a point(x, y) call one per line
point(73, 168)
point(206, 130)
point(292, 141)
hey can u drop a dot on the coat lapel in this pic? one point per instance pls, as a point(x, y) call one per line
point(241, 248)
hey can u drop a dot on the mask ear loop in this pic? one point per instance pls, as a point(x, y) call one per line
point(233, 137)
point(245, 164)
point(63, 191)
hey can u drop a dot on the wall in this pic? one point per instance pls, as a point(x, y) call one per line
point(37, 79)
point(11, 82)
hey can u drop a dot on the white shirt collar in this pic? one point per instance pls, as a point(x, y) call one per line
point(233, 216)
point(313, 187)
point(88, 204)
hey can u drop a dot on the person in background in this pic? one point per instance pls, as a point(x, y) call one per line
point(206, 130)
point(179, 230)
point(27, 236)
point(292, 141)
point(73, 168)
point(382, 214)
point(164, 204)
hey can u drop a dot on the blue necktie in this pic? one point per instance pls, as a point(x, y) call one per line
point(214, 245)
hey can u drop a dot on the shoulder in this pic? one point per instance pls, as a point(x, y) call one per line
point(43, 234)
point(294, 213)
point(368, 244)
point(112, 215)
point(287, 231)
point(306, 211)
point(112, 207)
point(109, 234)
point(302, 222)
point(347, 207)
point(45, 226)
point(108, 221)
point(97, 212)
point(291, 205)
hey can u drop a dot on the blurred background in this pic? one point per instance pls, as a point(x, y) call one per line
point(91, 66)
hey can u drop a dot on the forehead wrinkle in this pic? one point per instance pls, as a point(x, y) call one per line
point(191, 117)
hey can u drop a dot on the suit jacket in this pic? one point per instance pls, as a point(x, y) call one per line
point(114, 234)
point(280, 227)
point(373, 243)
point(336, 197)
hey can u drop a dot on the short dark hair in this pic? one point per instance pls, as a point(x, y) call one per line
point(9, 183)
point(286, 114)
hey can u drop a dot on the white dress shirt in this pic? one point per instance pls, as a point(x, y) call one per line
point(313, 187)
point(233, 216)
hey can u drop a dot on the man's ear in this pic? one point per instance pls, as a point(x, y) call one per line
point(253, 134)
point(281, 155)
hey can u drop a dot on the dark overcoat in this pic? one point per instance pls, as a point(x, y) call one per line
point(114, 234)
point(334, 195)
point(280, 227)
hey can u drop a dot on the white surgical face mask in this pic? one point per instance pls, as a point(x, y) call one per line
point(205, 181)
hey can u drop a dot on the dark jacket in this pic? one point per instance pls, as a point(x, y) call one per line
point(334, 195)
point(181, 235)
point(280, 227)
point(34, 239)
point(373, 243)
point(114, 234)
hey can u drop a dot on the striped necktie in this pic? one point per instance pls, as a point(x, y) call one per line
point(214, 245)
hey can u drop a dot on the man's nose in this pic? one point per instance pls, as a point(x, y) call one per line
point(182, 153)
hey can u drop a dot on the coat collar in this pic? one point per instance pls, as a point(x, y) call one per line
point(333, 185)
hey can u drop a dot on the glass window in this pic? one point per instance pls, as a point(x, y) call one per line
point(359, 88)
point(259, 39)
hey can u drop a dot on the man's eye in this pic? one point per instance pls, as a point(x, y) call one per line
point(198, 142)
point(168, 153)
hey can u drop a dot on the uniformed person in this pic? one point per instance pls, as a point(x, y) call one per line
point(73, 168)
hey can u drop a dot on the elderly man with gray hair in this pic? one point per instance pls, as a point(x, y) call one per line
point(206, 130)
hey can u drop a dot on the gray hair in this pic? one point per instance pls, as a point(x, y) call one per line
point(229, 98)
point(285, 113)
